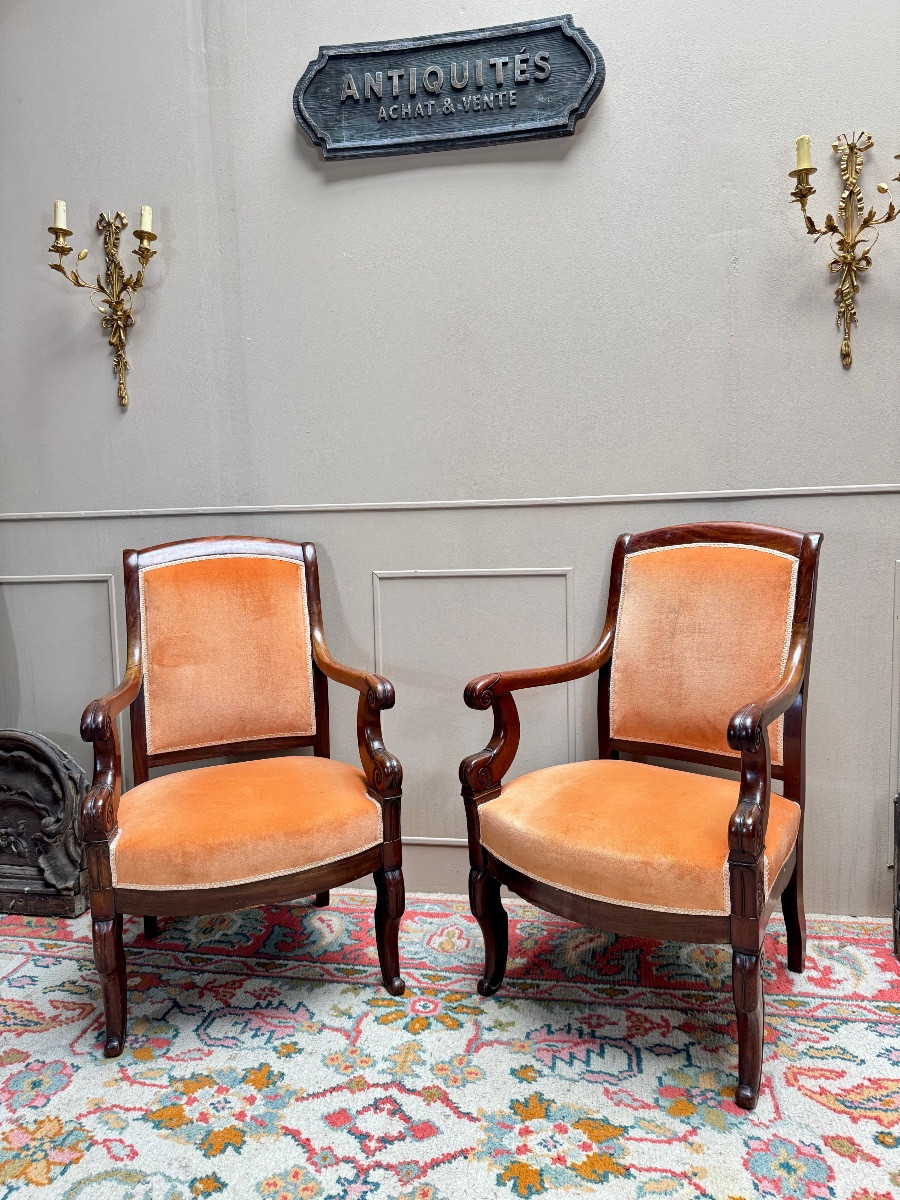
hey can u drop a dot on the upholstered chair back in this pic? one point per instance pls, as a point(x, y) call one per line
point(225, 646)
point(703, 629)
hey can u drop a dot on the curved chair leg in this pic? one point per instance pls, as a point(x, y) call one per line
point(484, 899)
point(322, 900)
point(109, 955)
point(746, 978)
point(795, 918)
point(388, 911)
point(151, 927)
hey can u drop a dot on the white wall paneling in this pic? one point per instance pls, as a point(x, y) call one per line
point(428, 633)
point(437, 629)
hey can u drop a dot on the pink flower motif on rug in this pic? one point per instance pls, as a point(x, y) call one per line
point(787, 1169)
point(35, 1084)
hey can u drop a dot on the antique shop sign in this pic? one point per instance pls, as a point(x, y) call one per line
point(510, 83)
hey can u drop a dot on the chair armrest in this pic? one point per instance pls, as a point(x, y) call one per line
point(99, 714)
point(481, 774)
point(383, 771)
point(745, 729)
point(98, 725)
point(378, 691)
point(482, 692)
point(748, 732)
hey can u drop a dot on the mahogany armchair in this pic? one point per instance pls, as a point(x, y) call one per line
point(227, 658)
point(704, 658)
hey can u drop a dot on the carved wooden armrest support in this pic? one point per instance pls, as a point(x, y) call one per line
point(481, 774)
point(747, 829)
point(748, 732)
point(98, 814)
point(98, 725)
point(383, 771)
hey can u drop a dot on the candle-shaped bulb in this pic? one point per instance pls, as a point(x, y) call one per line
point(804, 153)
point(59, 214)
point(146, 225)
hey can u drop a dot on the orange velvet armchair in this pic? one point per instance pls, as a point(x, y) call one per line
point(704, 658)
point(227, 658)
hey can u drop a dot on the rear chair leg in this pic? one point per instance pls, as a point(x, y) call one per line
point(746, 979)
point(109, 955)
point(795, 919)
point(484, 899)
point(151, 927)
point(322, 900)
point(388, 911)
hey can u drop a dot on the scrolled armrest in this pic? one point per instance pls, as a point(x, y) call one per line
point(383, 771)
point(745, 729)
point(97, 719)
point(483, 772)
point(98, 725)
point(482, 692)
point(748, 732)
point(378, 691)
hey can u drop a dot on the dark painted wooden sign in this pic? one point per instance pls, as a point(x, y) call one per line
point(510, 83)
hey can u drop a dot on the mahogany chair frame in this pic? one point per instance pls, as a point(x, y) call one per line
point(481, 775)
point(383, 772)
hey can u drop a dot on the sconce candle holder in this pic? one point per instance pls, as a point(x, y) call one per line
point(112, 294)
point(851, 240)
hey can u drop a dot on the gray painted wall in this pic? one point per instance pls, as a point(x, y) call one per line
point(626, 315)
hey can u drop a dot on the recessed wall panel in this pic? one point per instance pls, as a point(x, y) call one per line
point(436, 631)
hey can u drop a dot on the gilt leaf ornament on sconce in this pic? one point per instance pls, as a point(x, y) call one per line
point(851, 235)
point(112, 293)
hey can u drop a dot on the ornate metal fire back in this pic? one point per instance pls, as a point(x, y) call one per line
point(41, 858)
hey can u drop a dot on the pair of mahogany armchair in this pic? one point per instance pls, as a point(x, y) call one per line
point(704, 658)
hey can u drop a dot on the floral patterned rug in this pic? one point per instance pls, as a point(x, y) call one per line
point(264, 1061)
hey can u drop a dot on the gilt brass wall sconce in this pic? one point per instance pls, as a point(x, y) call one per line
point(112, 294)
point(851, 236)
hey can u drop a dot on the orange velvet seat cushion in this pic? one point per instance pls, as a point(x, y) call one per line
point(217, 826)
point(648, 837)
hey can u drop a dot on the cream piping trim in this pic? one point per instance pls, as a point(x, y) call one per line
point(303, 608)
point(789, 625)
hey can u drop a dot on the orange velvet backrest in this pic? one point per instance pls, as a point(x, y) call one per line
point(702, 630)
point(225, 646)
